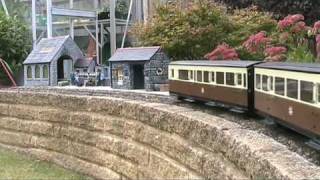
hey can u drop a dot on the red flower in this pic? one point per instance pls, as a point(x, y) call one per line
point(276, 53)
point(297, 17)
point(290, 21)
point(300, 26)
point(257, 42)
point(273, 51)
point(318, 39)
point(223, 52)
point(316, 27)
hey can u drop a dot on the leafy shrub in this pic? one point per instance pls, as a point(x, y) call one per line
point(186, 33)
point(14, 41)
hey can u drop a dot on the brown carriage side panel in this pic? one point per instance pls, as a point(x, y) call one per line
point(228, 95)
point(300, 116)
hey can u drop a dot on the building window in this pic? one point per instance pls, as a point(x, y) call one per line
point(212, 77)
point(172, 73)
point(220, 77)
point(120, 74)
point(199, 76)
point(206, 76)
point(45, 71)
point(279, 86)
point(230, 79)
point(258, 81)
point(239, 79)
point(244, 80)
point(37, 72)
point(306, 91)
point(292, 88)
point(29, 72)
point(183, 75)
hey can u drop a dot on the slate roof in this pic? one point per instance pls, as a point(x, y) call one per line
point(46, 50)
point(134, 54)
point(300, 67)
point(215, 63)
point(83, 63)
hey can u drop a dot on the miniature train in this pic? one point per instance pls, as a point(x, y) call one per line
point(287, 92)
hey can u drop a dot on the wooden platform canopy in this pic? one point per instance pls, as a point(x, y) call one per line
point(4, 67)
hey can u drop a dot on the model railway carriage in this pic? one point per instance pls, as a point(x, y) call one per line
point(229, 82)
point(291, 94)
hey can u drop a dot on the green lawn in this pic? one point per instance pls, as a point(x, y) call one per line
point(15, 166)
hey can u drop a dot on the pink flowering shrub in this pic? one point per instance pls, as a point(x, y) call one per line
point(257, 43)
point(276, 53)
point(223, 52)
point(318, 46)
point(291, 41)
point(292, 23)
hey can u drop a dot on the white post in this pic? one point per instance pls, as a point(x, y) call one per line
point(97, 32)
point(113, 27)
point(49, 18)
point(5, 7)
point(34, 24)
point(127, 24)
point(145, 10)
point(71, 23)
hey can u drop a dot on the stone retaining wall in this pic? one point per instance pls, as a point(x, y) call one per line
point(112, 138)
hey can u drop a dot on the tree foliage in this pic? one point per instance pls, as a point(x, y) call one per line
point(194, 30)
point(14, 40)
point(186, 33)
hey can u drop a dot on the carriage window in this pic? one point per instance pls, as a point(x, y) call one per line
point(258, 81)
point(45, 71)
point(306, 91)
point(279, 87)
point(245, 80)
point(292, 88)
point(220, 77)
point(191, 75)
point(183, 75)
point(212, 77)
point(199, 76)
point(172, 73)
point(29, 72)
point(265, 82)
point(206, 76)
point(270, 83)
point(239, 79)
point(37, 71)
point(230, 79)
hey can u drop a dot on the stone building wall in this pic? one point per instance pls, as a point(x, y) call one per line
point(110, 138)
point(33, 81)
point(156, 71)
point(126, 83)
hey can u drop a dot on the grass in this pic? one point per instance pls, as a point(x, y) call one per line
point(14, 166)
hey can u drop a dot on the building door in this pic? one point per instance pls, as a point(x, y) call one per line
point(65, 67)
point(138, 76)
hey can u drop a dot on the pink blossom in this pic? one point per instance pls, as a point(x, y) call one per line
point(300, 26)
point(273, 51)
point(297, 17)
point(257, 42)
point(316, 27)
point(318, 39)
point(290, 21)
point(223, 52)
